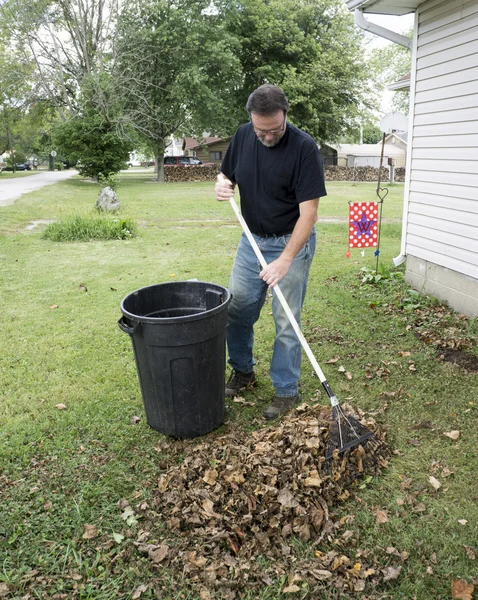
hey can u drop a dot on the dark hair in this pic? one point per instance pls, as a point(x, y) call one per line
point(267, 100)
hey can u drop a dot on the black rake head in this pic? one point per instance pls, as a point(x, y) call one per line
point(345, 432)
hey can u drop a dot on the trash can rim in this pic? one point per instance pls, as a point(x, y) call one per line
point(180, 319)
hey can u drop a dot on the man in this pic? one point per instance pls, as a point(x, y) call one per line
point(279, 172)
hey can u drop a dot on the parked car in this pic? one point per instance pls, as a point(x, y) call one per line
point(182, 160)
point(23, 167)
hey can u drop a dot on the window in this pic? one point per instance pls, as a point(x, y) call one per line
point(215, 155)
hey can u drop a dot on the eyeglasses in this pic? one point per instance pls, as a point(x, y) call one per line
point(262, 132)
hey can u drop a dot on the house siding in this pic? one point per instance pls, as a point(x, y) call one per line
point(204, 153)
point(442, 222)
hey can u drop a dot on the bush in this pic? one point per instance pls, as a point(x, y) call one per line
point(85, 229)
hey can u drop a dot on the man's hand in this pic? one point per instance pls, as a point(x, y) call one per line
point(224, 189)
point(275, 271)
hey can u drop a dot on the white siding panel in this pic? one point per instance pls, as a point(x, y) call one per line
point(470, 101)
point(460, 204)
point(468, 114)
point(452, 191)
point(447, 80)
point(449, 91)
point(449, 178)
point(447, 153)
point(453, 53)
point(448, 141)
point(446, 129)
point(445, 219)
point(447, 67)
point(445, 243)
point(429, 227)
point(453, 43)
point(445, 14)
point(450, 29)
point(467, 268)
point(442, 220)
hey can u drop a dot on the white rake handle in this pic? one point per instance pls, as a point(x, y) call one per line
point(279, 294)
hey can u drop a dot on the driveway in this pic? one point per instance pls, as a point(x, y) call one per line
point(11, 189)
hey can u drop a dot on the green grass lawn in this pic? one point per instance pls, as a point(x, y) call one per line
point(72, 452)
point(17, 174)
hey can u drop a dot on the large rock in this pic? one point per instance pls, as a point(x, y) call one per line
point(108, 200)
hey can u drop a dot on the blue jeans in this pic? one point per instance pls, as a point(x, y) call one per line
point(248, 297)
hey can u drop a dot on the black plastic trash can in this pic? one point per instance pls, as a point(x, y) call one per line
point(178, 332)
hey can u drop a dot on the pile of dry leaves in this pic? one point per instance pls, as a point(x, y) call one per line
point(243, 496)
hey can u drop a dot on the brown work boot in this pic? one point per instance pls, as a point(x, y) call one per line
point(280, 405)
point(238, 382)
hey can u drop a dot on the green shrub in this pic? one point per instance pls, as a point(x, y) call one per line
point(78, 228)
point(111, 180)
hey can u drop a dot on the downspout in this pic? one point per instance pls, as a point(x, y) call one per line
point(411, 45)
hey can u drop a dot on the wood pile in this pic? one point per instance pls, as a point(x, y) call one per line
point(176, 173)
point(182, 173)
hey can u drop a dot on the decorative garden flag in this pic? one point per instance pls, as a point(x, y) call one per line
point(363, 224)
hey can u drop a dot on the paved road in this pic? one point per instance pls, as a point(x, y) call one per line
point(11, 189)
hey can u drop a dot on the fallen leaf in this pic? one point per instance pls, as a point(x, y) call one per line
point(135, 420)
point(205, 595)
point(321, 574)
point(118, 537)
point(241, 400)
point(333, 360)
point(53, 306)
point(313, 482)
point(470, 552)
point(91, 531)
point(382, 516)
point(391, 573)
point(291, 589)
point(159, 554)
point(435, 483)
point(138, 591)
point(453, 435)
point(462, 521)
point(210, 476)
point(461, 590)
point(286, 498)
point(198, 562)
point(4, 591)
point(60, 406)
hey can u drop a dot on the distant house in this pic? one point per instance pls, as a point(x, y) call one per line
point(363, 155)
point(440, 217)
point(208, 149)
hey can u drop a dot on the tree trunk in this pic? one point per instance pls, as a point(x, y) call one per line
point(159, 159)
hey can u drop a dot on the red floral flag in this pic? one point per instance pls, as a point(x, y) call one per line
point(363, 224)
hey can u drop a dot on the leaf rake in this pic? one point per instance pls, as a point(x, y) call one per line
point(345, 431)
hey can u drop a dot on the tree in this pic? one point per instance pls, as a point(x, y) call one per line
point(313, 51)
point(389, 64)
point(68, 40)
point(176, 71)
point(91, 135)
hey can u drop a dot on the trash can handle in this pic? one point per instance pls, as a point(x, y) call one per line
point(214, 298)
point(126, 328)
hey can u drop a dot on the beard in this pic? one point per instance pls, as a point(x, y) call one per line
point(270, 143)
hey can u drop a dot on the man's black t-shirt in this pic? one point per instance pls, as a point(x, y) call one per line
point(274, 181)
